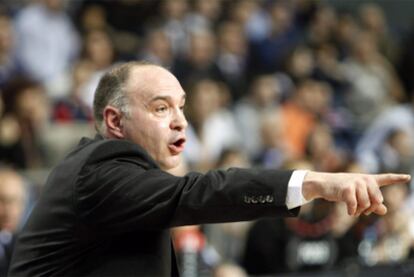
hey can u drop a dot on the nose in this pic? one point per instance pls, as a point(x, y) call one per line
point(178, 122)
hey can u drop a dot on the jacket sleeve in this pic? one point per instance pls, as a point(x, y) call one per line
point(119, 195)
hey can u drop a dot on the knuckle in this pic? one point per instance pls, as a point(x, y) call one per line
point(376, 200)
point(360, 183)
point(351, 203)
point(366, 178)
point(348, 191)
point(348, 198)
point(365, 205)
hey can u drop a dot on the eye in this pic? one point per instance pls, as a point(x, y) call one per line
point(161, 109)
point(182, 108)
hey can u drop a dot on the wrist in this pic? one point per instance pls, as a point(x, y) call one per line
point(311, 187)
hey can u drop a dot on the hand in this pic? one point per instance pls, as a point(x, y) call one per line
point(360, 192)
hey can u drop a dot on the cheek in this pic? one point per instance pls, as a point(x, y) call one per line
point(162, 129)
point(159, 134)
point(164, 125)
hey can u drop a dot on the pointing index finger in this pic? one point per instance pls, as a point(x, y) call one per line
point(391, 178)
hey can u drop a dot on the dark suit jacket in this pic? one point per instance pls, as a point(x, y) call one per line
point(106, 210)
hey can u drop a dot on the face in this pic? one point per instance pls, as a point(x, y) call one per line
point(33, 106)
point(156, 121)
point(6, 34)
point(99, 48)
point(11, 201)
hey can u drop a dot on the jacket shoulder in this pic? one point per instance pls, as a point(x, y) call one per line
point(101, 150)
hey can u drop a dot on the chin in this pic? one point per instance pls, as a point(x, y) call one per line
point(170, 163)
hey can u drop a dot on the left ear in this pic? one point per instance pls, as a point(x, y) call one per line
point(112, 119)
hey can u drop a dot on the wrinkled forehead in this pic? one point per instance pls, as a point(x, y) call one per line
point(149, 81)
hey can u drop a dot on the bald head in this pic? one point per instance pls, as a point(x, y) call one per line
point(145, 79)
point(112, 90)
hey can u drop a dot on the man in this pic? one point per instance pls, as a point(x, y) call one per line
point(106, 209)
point(12, 204)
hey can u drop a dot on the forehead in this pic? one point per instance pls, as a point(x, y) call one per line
point(148, 82)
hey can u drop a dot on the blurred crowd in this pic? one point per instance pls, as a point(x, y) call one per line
point(270, 83)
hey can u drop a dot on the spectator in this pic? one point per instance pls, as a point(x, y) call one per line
point(268, 54)
point(399, 117)
point(274, 152)
point(345, 31)
point(96, 16)
point(322, 152)
point(100, 53)
point(93, 17)
point(373, 20)
point(73, 108)
point(212, 128)
point(322, 25)
point(27, 113)
point(309, 103)
point(9, 64)
point(231, 58)
point(199, 62)
point(173, 13)
point(397, 153)
point(47, 42)
point(264, 94)
point(12, 204)
point(12, 200)
point(300, 63)
point(10, 149)
point(157, 48)
point(204, 15)
point(98, 49)
point(373, 84)
point(252, 16)
point(328, 69)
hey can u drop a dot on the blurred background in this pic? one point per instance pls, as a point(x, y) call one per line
point(319, 85)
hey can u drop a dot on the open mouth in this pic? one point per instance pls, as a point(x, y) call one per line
point(177, 147)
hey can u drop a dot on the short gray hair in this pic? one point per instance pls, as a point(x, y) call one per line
point(111, 90)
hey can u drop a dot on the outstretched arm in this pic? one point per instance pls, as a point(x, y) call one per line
point(360, 192)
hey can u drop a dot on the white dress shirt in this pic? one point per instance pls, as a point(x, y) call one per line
point(294, 197)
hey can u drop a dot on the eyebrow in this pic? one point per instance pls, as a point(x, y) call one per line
point(166, 97)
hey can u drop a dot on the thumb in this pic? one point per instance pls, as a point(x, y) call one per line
point(391, 178)
point(381, 210)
